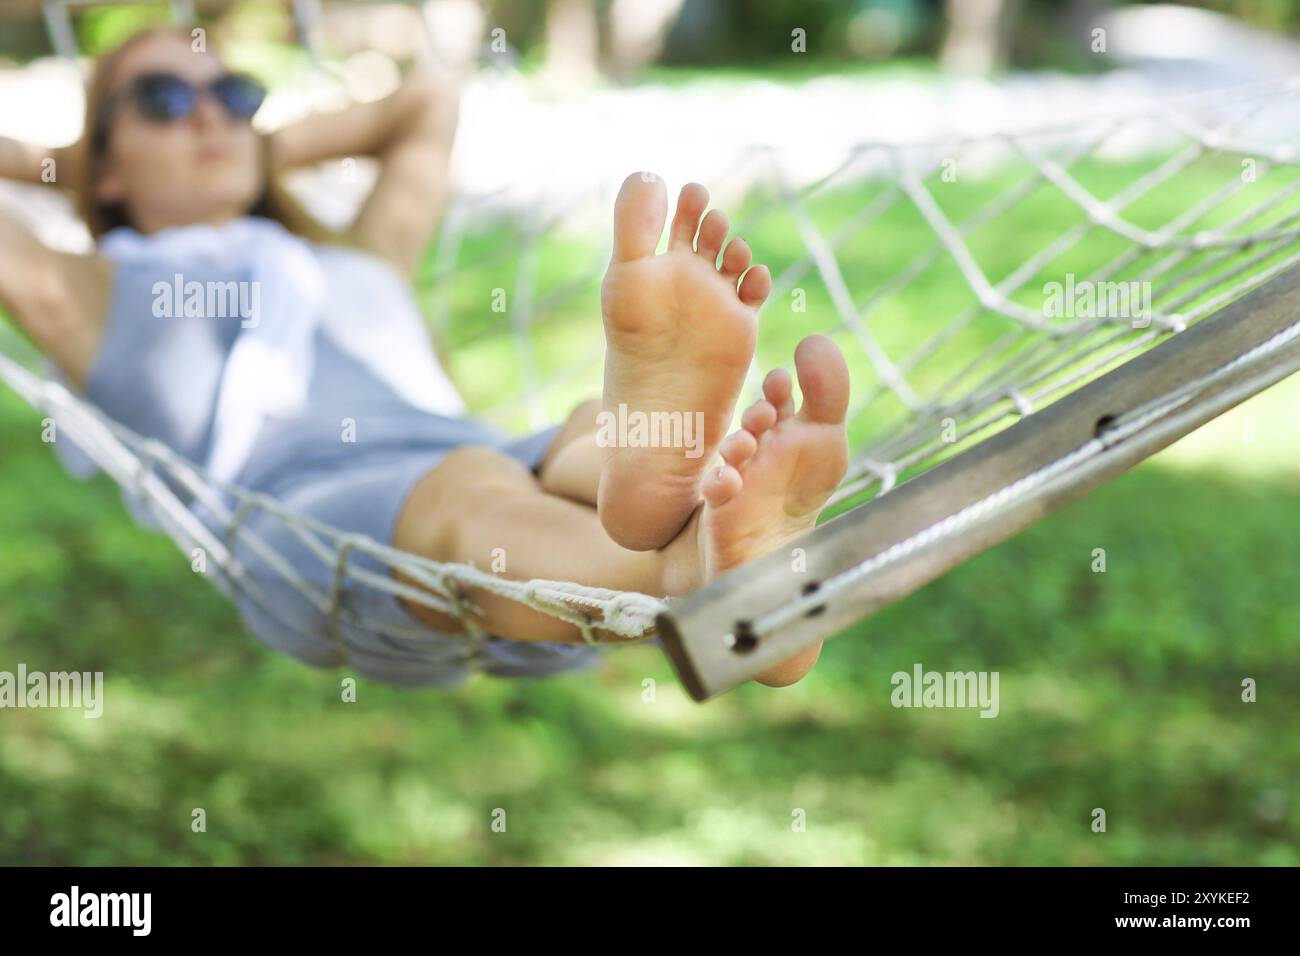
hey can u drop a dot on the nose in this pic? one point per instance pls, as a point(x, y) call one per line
point(208, 112)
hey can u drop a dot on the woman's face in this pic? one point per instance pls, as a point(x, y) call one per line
point(204, 168)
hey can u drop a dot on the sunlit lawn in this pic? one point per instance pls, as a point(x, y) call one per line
point(1118, 690)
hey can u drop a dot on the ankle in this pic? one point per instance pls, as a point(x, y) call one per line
point(682, 564)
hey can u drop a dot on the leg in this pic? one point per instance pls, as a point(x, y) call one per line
point(779, 471)
point(571, 468)
point(481, 507)
point(680, 336)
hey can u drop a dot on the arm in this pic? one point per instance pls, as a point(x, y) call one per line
point(27, 163)
point(57, 299)
point(410, 133)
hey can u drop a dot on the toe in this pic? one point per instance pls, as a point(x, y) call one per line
point(755, 286)
point(759, 417)
point(692, 202)
point(779, 390)
point(713, 232)
point(639, 214)
point(738, 447)
point(721, 485)
point(736, 259)
point(823, 379)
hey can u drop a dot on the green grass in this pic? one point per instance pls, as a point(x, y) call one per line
point(1118, 690)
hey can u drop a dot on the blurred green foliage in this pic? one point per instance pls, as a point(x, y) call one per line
point(1118, 690)
point(102, 28)
point(839, 34)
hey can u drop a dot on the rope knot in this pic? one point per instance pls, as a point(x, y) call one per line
point(616, 610)
point(885, 471)
point(1024, 406)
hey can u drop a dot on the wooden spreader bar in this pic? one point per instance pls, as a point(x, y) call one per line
point(715, 637)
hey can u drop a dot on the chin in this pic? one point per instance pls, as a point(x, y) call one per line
point(229, 187)
point(233, 204)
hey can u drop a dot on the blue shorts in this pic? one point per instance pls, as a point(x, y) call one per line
point(159, 377)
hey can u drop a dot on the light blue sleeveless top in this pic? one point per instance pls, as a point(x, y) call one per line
point(160, 377)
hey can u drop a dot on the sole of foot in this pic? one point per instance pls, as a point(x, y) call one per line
point(778, 472)
point(680, 330)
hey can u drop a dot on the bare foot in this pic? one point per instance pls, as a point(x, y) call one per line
point(679, 335)
point(779, 471)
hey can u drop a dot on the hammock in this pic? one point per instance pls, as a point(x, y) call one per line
point(953, 453)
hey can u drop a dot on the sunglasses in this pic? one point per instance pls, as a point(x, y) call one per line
point(168, 98)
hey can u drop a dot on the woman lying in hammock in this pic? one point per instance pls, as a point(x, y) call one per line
point(325, 394)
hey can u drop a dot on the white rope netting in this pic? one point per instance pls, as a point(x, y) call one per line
point(932, 376)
